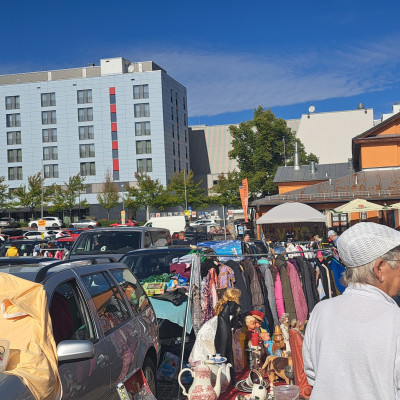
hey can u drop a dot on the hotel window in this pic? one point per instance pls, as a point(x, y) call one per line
point(14, 155)
point(112, 99)
point(171, 96)
point(141, 92)
point(143, 147)
point(173, 148)
point(173, 131)
point(186, 153)
point(145, 165)
point(49, 135)
point(88, 168)
point(84, 96)
point(142, 128)
point(176, 99)
point(13, 120)
point(15, 173)
point(113, 117)
point(86, 132)
point(114, 136)
point(185, 136)
point(14, 137)
point(12, 102)
point(115, 154)
point(172, 113)
point(174, 165)
point(51, 171)
point(85, 114)
point(49, 117)
point(50, 153)
point(48, 99)
point(179, 151)
point(86, 150)
point(142, 110)
point(184, 103)
point(184, 119)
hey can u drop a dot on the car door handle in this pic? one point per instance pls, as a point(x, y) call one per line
point(102, 361)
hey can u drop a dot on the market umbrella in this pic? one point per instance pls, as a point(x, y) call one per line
point(395, 206)
point(359, 205)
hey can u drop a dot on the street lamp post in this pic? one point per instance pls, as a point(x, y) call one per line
point(41, 192)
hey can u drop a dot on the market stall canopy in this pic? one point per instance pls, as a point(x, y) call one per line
point(359, 205)
point(395, 206)
point(291, 212)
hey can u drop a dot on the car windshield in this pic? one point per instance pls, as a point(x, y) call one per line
point(106, 242)
point(144, 265)
point(23, 248)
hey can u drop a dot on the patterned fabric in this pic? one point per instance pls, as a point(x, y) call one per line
point(195, 301)
point(280, 305)
point(226, 277)
point(210, 296)
point(298, 294)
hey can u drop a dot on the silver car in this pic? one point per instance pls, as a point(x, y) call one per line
point(106, 332)
point(84, 223)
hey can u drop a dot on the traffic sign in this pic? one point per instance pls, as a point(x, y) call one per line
point(41, 225)
point(187, 213)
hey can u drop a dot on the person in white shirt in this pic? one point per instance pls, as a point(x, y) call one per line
point(351, 347)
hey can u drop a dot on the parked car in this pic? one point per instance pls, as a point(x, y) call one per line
point(33, 235)
point(105, 334)
point(84, 223)
point(25, 247)
point(51, 222)
point(204, 222)
point(128, 222)
point(117, 241)
point(7, 222)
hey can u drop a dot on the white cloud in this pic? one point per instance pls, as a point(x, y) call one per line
point(220, 82)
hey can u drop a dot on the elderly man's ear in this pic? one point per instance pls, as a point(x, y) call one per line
point(380, 268)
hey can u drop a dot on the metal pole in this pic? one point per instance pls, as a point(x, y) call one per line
point(41, 191)
point(284, 151)
point(223, 213)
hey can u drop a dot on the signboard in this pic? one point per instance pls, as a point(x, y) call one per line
point(187, 213)
point(194, 214)
point(123, 214)
point(244, 197)
point(41, 225)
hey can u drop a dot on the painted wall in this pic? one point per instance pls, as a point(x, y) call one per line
point(289, 186)
point(380, 155)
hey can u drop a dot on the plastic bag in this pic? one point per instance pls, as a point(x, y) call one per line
point(169, 369)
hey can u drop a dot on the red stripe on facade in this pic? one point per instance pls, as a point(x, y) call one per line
point(114, 127)
point(112, 90)
point(113, 108)
point(116, 165)
point(115, 145)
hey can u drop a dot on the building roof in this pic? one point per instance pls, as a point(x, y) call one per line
point(380, 184)
point(304, 174)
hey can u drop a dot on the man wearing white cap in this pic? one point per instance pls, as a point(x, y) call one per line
point(351, 347)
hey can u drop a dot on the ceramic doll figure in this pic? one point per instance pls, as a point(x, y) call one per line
point(267, 342)
point(284, 320)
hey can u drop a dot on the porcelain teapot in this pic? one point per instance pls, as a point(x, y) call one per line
point(225, 375)
point(202, 388)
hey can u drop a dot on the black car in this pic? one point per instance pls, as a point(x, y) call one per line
point(25, 247)
point(153, 261)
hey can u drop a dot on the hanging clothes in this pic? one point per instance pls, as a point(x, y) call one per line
point(306, 283)
point(210, 296)
point(195, 301)
point(298, 294)
point(338, 270)
point(290, 308)
point(257, 298)
point(245, 299)
point(226, 277)
point(280, 305)
point(269, 283)
point(267, 307)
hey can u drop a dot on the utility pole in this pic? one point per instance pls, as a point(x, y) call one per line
point(284, 151)
point(41, 191)
point(184, 182)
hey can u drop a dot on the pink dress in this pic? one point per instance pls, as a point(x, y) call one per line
point(280, 306)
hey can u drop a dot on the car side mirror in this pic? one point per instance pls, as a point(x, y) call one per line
point(74, 350)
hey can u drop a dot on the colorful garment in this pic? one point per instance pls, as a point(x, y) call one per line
point(226, 277)
point(210, 296)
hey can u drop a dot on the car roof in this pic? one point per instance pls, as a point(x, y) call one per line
point(38, 272)
point(126, 228)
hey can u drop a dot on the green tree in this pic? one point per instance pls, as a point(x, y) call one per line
point(67, 197)
point(4, 195)
point(108, 197)
point(147, 193)
point(258, 146)
point(183, 191)
point(226, 191)
point(31, 196)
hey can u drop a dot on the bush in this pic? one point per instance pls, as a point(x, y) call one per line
point(106, 222)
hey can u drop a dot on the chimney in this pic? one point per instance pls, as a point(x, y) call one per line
point(312, 167)
point(296, 157)
point(360, 106)
point(350, 164)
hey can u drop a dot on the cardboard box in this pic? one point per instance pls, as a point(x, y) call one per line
point(154, 288)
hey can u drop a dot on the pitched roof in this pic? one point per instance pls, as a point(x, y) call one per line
point(382, 184)
point(322, 172)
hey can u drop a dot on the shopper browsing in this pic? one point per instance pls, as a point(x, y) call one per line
point(351, 348)
point(333, 237)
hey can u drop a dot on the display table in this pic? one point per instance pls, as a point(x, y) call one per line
point(176, 314)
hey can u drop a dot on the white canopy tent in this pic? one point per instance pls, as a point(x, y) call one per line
point(291, 212)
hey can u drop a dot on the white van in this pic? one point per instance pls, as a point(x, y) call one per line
point(173, 223)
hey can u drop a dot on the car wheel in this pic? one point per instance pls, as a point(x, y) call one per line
point(34, 226)
point(90, 226)
point(55, 225)
point(149, 372)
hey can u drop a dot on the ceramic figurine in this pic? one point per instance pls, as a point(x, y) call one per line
point(279, 343)
point(284, 320)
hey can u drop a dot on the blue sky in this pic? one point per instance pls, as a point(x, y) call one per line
point(231, 55)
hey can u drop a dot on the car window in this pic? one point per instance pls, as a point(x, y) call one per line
point(107, 242)
point(69, 315)
point(110, 307)
point(133, 291)
point(147, 240)
point(160, 237)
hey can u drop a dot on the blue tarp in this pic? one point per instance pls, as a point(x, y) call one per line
point(224, 247)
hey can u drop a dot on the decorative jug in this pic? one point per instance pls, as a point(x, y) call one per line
point(225, 375)
point(201, 388)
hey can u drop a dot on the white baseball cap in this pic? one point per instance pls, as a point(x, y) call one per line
point(365, 242)
point(331, 232)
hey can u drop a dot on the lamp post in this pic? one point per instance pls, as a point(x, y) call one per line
point(41, 191)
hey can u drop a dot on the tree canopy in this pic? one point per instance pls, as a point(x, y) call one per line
point(226, 191)
point(108, 197)
point(258, 146)
point(4, 195)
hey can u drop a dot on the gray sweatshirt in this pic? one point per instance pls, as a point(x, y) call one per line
point(351, 347)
